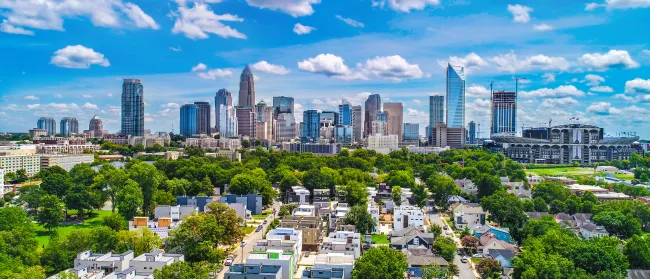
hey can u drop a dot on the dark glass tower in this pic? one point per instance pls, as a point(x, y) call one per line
point(203, 118)
point(373, 106)
point(132, 107)
point(247, 88)
point(189, 119)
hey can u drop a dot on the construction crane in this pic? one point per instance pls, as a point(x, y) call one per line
point(517, 79)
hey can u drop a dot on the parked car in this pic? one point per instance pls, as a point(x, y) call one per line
point(477, 256)
point(306, 254)
point(243, 243)
point(445, 227)
point(463, 259)
point(229, 261)
point(265, 221)
point(447, 232)
point(459, 252)
point(259, 228)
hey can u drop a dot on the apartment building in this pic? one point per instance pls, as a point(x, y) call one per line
point(342, 242)
point(407, 216)
point(66, 162)
point(311, 227)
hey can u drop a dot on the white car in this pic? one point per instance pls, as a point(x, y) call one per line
point(477, 256)
point(243, 243)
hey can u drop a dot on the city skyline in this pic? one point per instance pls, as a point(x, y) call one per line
point(570, 73)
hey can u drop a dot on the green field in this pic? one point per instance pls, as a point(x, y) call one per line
point(43, 236)
point(565, 171)
point(261, 216)
point(380, 239)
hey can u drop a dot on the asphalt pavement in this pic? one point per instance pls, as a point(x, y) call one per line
point(466, 272)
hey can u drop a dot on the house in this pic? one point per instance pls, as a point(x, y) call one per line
point(287, 240)
point(489, 241)
point(160, 226)
point(455, 199)
point(407, 216)
point(342, 242)
point(321, 195)
point(254, 271)
point(591, 230)
point(198, 202)
point(410, 237)
point(534, 179)
point(384, 191)
point(520, 191)
point(341, 194)
point(500, 233)
point(146, 263)
point(582, 218)
point(311, 228)
point(273, 257)
point(466, 186)
point(176, 213)
point(536, 215)
point(253, 202)
point(422, 256)
point(373, 209)
point(333, 262)
point(298, 195)
point(468, 215)
point(323, 273)
point(503, 256)
point(305, 210)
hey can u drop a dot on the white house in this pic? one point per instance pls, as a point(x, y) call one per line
point(534, 179)
point(407, 216)
point(305, 210)
point(468, 215)
point(274, 257)
point(285, 239)
point(335, 260)
point(373, 209)
point(590, 230)
point(344, 242)
point(146, 263)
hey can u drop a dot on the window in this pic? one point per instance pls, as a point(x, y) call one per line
point(416, 241)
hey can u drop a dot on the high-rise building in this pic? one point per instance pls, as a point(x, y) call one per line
point(329, 116)
point(265, 124)
point(471, 138)
point(223, 97)
point(204, 118)
point(379, 128)
point(345, 114)
point(455, 98)
point(382, 116)
point(227, 121)
point(436, 112)
point(247, 88)
point(132, 107)
point(189, 120)
point(411, 131)
point(372, 107)
point(246, 119)
point(311, 126)
point(282, 104)
point(395, 119)
point(504, 113)
point(96, 128)
point(48, 124)
point(343, 134)
point(443, 136)
point(69, 126)
point(285, 127)
point(357, 123)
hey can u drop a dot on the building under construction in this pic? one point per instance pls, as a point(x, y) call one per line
point(504, 113)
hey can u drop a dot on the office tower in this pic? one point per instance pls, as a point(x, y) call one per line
point(504, 113)
point(246, 119)
point(282, 104)
point(372, 106)
point(345, 114)
point(285, 127)
point(311, 126)
point(132, 107)
point(265, 125)
point(48, 124)
point(69, 126)
point(436, 112)
point(411, 131)
point(379, 128)
point(382, 116)
point(227, 121)
point(96, 128)
point(329, 117)
point(247, 88)
point(472, 132)
point(223, 97)
point(442, 136)
point(204, 118)
point(455, 98)
point(328, 124)
point(189, 120)
point(395, 119)
point(357, 123)
point(343, 134)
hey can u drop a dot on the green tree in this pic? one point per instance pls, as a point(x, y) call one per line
point(140, 241)
point(57, 184)
point(114, 180)
point(288, 180)
point(445, 247)
point(116, 222)
point(550, 191)
point(529, 205)
point(420, 195)
point(441, 188)
point(618, 224)
point(321, 178)
point(540, 204)
point(164, 198)
point(268, 194)
point(396, 195)
point(637, 250)
point(489, 268)
point(286, 209)
point(400, 178)
point(184, 270)
point(380, 263)
point(557, 206)
point(355, 193)
point(435, 229)
point(32, 195)
point(487, 185)
point(148, 178)
point(51, 214)
point(82, 174)
point(79, 198)
point(505, 209)
point(178, 187)
point(244, 183)
point(245, 143)
point(129, 199)
point(469, 242)
point(361, 219)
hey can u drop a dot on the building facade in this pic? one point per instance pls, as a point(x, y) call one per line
point(357, 124)
point(203, 125)
point(471, 139)
point(189, 120)
point(69, 126)
point(504, 113)
point(222, 98)
point(247, 88)
point(383, 144)
point(48, 124)
point(36, 132)
point(96, 128)
point(455, 97)
point(246, 120)
point(282, 104)
point(442, 136)
point(372, 107)
point(227, 121)
point(132, 119)
point(66, 162)
point(395, 121)
point(411, 132)
point(286, 127)
point(311, 126)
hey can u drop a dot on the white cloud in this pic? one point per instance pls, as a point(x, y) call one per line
point(479, 107)
point(87, 96)
point(559, 92)
point(331, 66)
point(619, 5)
point(317, 102)
point(266, 67)
point(471, 60)
point(109, 95)
point(176, 49)
point(405, 5)
point(295, 8)
point(637, 85)
point(394, 68)
point(90, 106)
point(477, 91)
point(510, 63)
point(646, 52)
point(624, 97)
point(351, 22)
point(8, 28)
point(50, 14)
point(602, 89)
point(31, 98)
point(302, 29)
point(58, 96)
point(605, 108)
point(594, 80)
point(417, 102)
point(548, 77)
point(33, 106)
point(171, 105)
point(558, 102)
point(592, 6)
point(543, 27)
point(616, 59)
point(196, 22)
point(199, 67)
point(211, 74)
point(601, 108)
point(520, 13)
point(78, 57)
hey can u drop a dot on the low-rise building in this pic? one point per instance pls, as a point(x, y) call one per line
point(489, 241)
point(383, 144)
point(160, 226)
point(591, 230)
point(342, 242)
point(409, 238)
point(499, 233)
point(298, 195)
point(146, 263)
point(287, 240)
point(274, 257)
point(253, 202)
point(254, 271)
point(407, 216)
point(66, 162)
point(334, 261)
point(232, 154)
point(503, 256)
point(311, 227)
point(323, 273)
point(176, 212)
point(199, 202)
point(13, 163)
point(305, 210)
point(315, 148)
point(534, 179)
point(466, 186)
point(426, 149)
point(468, 215)
point(421, 256)
point(373, 209)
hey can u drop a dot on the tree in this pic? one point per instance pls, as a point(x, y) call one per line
point(529, 205)
point(550, 191)
point(148, 178)
point(183, 270)
point(178, 187)
point(356, 193)
point(540, 204)
point(380, 263)
point(400, 178)
point(441, 188)
point(504, 208)
point(321, 178)
point(245, 183)
point(116, 222)
point(618, 224)
point(79, 198)
point(469, 242)
point(129, 199)
point(82, 174)
point(489, 268)
point(420, 195)
point(14, 217)
point(465, 232)
point(113, 180)
point(140, 241)
point(164, 198)
point(57, 184)
point(361, 219)
point(51, 214)
point(453, 269)
point(32, 195)
point(287, 181)
point(245, 143)
point(637, 250)
point(396, 195)
point(287, 209)
point(268, 194)
point(487, 185)
point(446, 247)
point(434, 271)
point(557, 206)
point(21, 176)
point(435, 229)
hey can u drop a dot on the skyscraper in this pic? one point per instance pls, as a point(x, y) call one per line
point(285, 127)
point(227, 121)
point(395, 119)
point(48, 124)
point(96, 128)
point(504, 113)
point(311, 126)
point(472, 132)
point(455, 97)
point(282, 104)
point(411, 131)
point(132, 107)
point(332, 116)
point(189, 120)
point(265, 126)
point(204, 126)
point(247, 88)
point(345, 114)
point(223, 97)
point(246, 119)
point(372, 106)
point(357, 123)
point(436, 113)
point(69, 126)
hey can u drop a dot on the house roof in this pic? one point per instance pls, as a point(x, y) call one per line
point(638, 274)
point(593, 228)
point(421, 255)
point(536, 215)
point(506, 254)
point(481, 229)
point(582, 217)
point(563, 217)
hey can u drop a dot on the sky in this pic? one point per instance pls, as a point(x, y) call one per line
point(583, 62)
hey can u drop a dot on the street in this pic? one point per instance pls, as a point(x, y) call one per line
point(466, 272)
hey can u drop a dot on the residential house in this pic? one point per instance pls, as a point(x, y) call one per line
point(455, 199)
point(146, 263)
point(340, 194)
point(536, 215)
point(253, 202)
point(590, 230)
point(342, 242)
point(410, 237)
point(160, 226)
point(287, 240)
point(274, 257)
point(321, 201)
point(305, 210)
point(503, 256)
point(468, 215)
point(499, 233)
point(582, 218)
point(298, 195)
point(311, 227)
point(466, 186)
point(373, 209)
point(520, 191)
point(254, 271)
point(489, 241)
point(422, 256)
point(176, 213)
point(334, 261)
point(534, 179)
point(199, 202)
point(407, 216)
point(323, 273)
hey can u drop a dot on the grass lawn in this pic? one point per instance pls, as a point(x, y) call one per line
point(43, 236)
point(564, 171)
point(380, 239)
point(247, 229)
point(619, 175)
point(261, 216)
point(476, 260)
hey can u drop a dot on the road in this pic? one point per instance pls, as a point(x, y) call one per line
point(466, 272)
point(250, 239)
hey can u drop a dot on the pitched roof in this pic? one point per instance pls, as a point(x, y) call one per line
point(563, 217)
point(638, 274)
point(591, 227)
point(582, 217)
point(506, 254)
point(421, 255)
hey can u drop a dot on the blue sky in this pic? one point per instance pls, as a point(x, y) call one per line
point(588, 60)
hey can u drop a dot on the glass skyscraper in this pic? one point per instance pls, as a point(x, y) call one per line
point(223, 97)
point(189, 120)
point(345, 114)
point(455, 97)
point(247, 88)
point(373, 106)
point(472, 132)
point(48, 124)
point(282, 104)
point(132, 107)
point(357, 123)
point(310, 129)
point(330, 116)
point(204, 126)
point(411, 131)
point(436, 113)
point(69, 126)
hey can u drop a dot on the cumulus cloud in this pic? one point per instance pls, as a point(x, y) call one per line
point(78, 57)
point(199, 67)
point(594, 80)
point(266, 67)
point(470, 61)
point(624, 97)
point(405, 5)
point(592, 6)
point(211, 74)
point(618, 5)
point(510, 63)
point(171, 105)
point(548, 77)
point(331, 66)
point(8, 28)
point(394, 68)
point(637, 85)
point(302, 29)
point(614, 59)
point(542, 27)
point(477, 91)
point(31, 98)
point(139, 17)
point(176, 49)
point(520, 13)
point(90, 106)
point(559, 92)
point(295, 8)
point(351, 22)
point(601, 108)
point(198, 21)
point(558, 102)
point(602, 89)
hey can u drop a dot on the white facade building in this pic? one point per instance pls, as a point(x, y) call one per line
point(176, 213)
point(275, 257)
point(373, 209)
point(335, 260)
point(227, 121)
point(66, 162)
point(146, 263)
point(342, 242)
point(285, 239)
point(383, 144)
point(407, 216)
point(305, 210)
point(30, 163)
